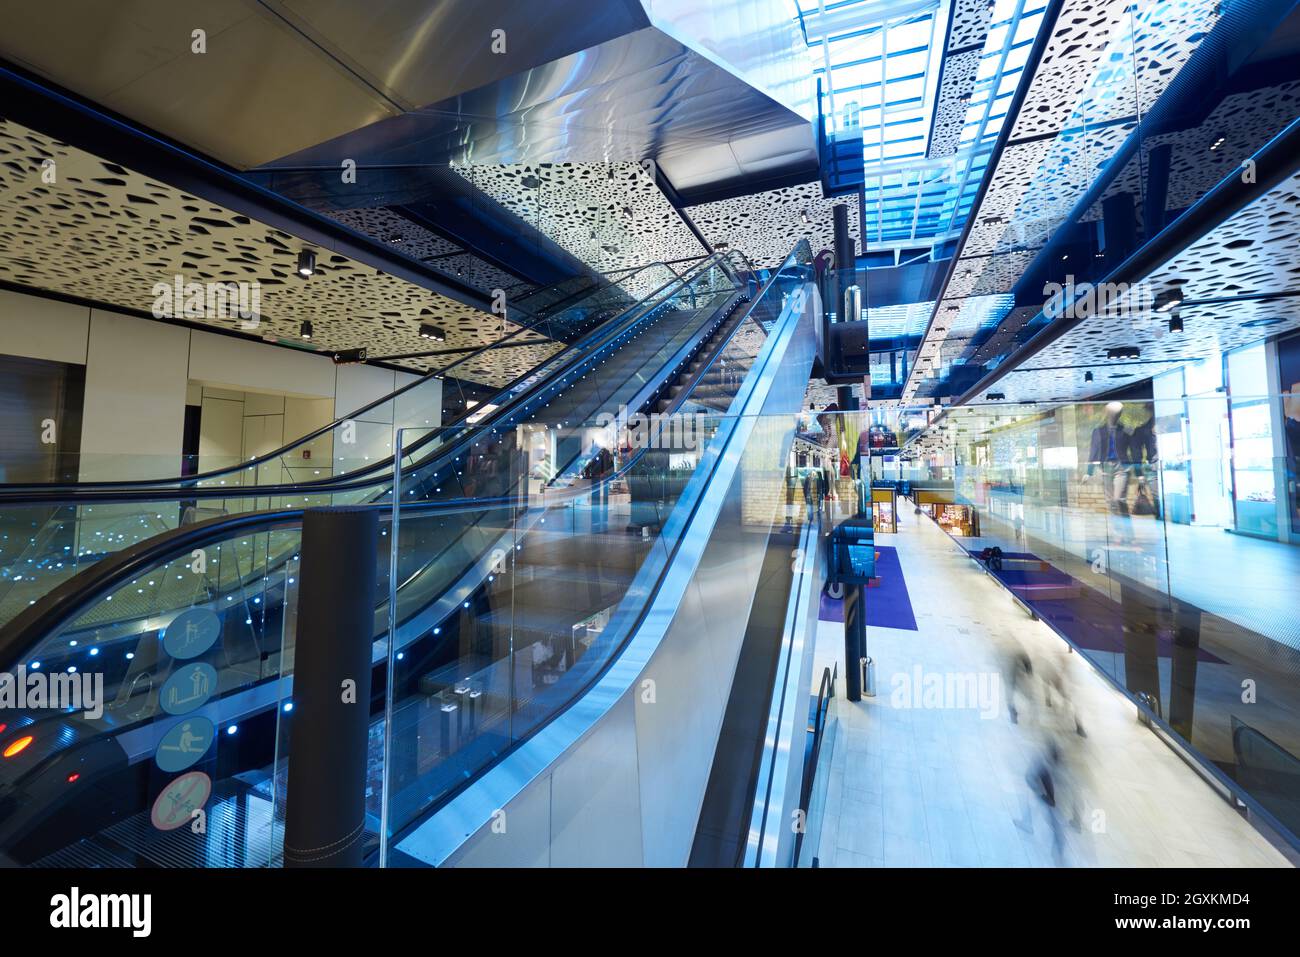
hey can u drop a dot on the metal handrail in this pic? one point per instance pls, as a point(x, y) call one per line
point(188, 482)
point(825, 692)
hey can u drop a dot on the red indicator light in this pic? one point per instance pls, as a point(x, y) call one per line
point(73, 777)
point(18, 746)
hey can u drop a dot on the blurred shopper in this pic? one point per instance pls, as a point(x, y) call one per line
point(1018, 676)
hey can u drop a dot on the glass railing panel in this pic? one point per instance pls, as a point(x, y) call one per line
point(820, 832)
point(1122, 526)
point(169, 654)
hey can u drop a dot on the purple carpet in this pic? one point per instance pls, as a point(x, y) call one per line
point(888, 604)
point(1093, 621)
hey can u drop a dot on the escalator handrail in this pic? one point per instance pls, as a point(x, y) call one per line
point(67, 599)
point(153, 489)
point(821, 710)
point(12, 492)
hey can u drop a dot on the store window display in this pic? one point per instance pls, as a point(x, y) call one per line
point(1288, 352)
point(1124, 458)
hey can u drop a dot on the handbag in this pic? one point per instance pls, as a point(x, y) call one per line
point(1142, 504)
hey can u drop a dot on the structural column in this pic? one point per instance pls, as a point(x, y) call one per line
point(325, 809)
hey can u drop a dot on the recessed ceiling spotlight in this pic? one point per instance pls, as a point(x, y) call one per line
point(1170, 298)
point(1123, 352)
point(1217, 143)
point(305, 330)
point(803, 214)
point(306, 263)
point(430, 331)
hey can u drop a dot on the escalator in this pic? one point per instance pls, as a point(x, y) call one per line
point(578, 524)
point(52, 531)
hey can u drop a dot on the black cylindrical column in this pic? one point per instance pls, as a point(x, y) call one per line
point(845, 254)
point(855, 640)
point(1182, 670)
point(325, 809)
point(1119, 227)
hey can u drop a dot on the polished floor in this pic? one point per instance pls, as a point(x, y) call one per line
point(950, 781)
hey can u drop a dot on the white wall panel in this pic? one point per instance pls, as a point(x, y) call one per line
point(134, 418)
point(38, 328)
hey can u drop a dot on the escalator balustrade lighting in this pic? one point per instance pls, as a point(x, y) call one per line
point(18, 746)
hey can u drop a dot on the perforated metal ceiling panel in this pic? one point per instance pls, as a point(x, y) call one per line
point(766, 225)
point(107, 234)
point(1076, 115)
point(1252, 254)
point(608, 215)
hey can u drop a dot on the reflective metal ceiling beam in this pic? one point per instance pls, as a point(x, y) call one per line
point(640, 95)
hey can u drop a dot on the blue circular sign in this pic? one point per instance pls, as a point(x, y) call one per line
point(186, 742)
point(189, 687)
point(192, 632)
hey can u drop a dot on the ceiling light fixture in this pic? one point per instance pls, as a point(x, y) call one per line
point(432, 332)
point(1123, 352)
point(1087, 377)
point(1175, 323)
point(304, 330)
point(1170, 298)
point(306, 263)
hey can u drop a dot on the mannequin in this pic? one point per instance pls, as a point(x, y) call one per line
point(1110, 453)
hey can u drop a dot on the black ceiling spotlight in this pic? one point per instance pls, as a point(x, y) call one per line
point(1170, 298)
point(306, 263)
point(1123, 352)
point(304, 330)
point(1175, 323)
point(1087, 377)
point(997, 396)
point(803, 214)
point(345, 356)
point(432, 332)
